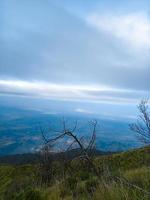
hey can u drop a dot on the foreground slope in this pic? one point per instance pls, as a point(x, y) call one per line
point(22, 182)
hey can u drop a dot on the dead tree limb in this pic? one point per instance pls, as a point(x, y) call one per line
point(85, 150)
point(142, 126)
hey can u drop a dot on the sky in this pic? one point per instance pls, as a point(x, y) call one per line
point(82, 56)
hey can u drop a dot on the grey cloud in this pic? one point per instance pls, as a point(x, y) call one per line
point(70, 93)
point(43, 42)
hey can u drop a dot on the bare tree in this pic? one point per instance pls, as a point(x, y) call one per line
point(142, 126)
point(85, 148)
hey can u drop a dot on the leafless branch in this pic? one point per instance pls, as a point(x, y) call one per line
point(142, 126)
point(85, 150)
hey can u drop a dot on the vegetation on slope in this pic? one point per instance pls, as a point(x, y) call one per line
point(77, 182)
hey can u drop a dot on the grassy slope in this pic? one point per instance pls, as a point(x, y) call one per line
point(127, 160)
point(15, 182)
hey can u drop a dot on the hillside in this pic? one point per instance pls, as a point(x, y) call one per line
point(23, 183)
point(35, 158)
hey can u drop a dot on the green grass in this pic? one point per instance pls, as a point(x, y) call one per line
point(127, 160)
point(21, 183)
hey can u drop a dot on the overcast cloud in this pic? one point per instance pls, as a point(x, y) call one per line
point(80, 51)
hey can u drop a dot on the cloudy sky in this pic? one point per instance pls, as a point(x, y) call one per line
point(86, 54)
